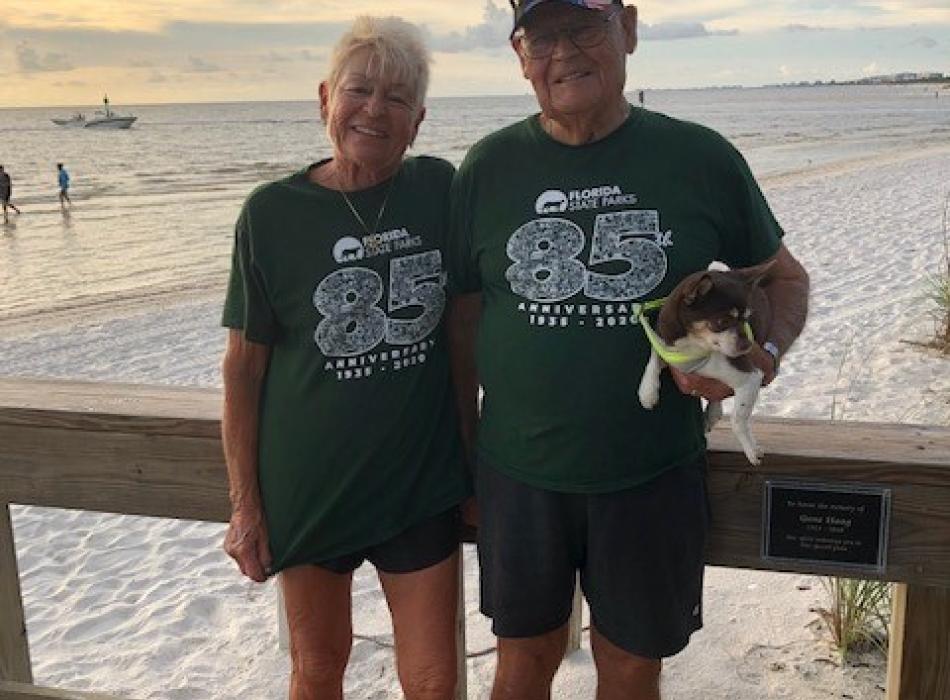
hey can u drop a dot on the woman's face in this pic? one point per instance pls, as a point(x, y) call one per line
point(371, 119)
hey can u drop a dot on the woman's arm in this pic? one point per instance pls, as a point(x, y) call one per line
point(243, 370)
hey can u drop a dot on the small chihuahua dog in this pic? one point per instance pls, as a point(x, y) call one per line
point(703, 323)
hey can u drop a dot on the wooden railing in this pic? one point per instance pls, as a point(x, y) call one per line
point(156, 451)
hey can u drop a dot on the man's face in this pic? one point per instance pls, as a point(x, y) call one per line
point(574, 80)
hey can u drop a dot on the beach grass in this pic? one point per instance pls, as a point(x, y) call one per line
point(858, 615)
point(858, 612)
point(937, 290)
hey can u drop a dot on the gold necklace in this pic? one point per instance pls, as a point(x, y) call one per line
point(379, 214)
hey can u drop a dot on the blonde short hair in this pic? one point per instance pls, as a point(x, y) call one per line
point(397, 51)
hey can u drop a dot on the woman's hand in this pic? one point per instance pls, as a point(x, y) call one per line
point(246, 543)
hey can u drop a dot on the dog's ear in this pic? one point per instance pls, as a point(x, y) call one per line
point(757, 274)
point(697, 288)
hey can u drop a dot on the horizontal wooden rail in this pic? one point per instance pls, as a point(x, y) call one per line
point(156, 451)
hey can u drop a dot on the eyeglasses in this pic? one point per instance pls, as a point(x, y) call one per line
point(583, 36)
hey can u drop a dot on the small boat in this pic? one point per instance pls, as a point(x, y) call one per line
point(78, 119)
point(102, 119)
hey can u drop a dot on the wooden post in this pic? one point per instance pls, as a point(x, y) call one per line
point(918, 664)
point(283, 631)
point(461, 653)
point(14, 649)
point(575, 626)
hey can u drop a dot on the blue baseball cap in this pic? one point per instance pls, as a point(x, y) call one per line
point(523, 7)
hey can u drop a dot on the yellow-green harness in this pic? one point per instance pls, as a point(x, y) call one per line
point(685, 361)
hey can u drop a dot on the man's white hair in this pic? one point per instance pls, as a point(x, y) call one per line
point(397, 52)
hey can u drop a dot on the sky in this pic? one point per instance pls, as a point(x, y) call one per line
point(70, 52)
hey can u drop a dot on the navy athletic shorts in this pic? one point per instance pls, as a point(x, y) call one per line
point(640, 554)
point(423, 545)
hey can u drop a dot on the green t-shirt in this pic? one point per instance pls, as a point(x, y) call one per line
point(563, 243)
point(358, 437)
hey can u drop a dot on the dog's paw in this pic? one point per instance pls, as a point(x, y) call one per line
point(649, 396)
point(754, 454)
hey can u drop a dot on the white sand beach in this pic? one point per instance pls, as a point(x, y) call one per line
point(153, 609)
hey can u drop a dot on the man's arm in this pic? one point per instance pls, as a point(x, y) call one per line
point(786, 287)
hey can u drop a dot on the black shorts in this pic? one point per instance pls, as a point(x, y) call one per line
point(640, 554)
point(423, 545)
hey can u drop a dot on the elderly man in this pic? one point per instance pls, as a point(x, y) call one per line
point(564, 224)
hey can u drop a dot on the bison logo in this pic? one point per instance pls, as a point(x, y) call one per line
point(551, 202)
point(348, 249)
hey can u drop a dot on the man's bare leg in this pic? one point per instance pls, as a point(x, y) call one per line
point(622, 675)
point(526, 666)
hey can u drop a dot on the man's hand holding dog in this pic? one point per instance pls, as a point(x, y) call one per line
point(713, 390)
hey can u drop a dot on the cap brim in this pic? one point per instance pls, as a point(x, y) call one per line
point(528, 6)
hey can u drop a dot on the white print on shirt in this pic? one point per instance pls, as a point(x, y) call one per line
point(547, 269)
point(353, 323)
point(558, 202)
point(348, 248)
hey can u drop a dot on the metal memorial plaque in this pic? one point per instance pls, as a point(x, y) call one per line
point(826, 524)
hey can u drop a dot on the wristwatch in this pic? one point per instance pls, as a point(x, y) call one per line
point(772, 350)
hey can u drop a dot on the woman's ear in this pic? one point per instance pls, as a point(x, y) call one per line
point(324, 92)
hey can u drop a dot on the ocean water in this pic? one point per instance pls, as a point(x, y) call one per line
point(154, 206)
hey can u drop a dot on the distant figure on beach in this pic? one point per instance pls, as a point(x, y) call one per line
point(339, 426)
point(6, 194)
point(63, 186)
point(642, 98)
point(575, 479)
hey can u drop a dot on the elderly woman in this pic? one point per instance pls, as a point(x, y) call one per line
point(339, 425)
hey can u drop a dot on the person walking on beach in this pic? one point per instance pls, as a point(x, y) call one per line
point(339, 426)
point(6, 194)
point(564, 224)
point(63, 186)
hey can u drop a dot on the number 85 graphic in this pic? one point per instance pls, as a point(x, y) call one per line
point(547, 269)
point(354, 324)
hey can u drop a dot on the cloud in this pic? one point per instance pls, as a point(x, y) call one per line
point(494, 29)
point(277, 57)
point(196, 64)
point(29, 61)
point(668, 31)
point(871, 69)
point(804, 28)
point(491, 33)
point(924, 42)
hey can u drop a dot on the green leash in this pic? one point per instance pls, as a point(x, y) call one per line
point(675, 358)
